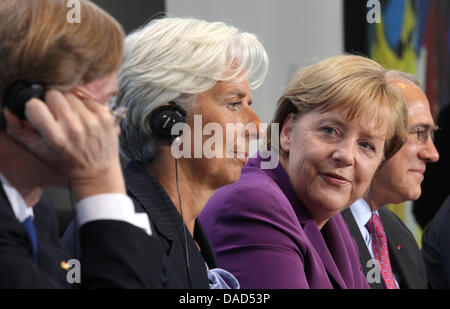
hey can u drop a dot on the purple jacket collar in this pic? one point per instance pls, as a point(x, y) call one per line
point(329, 251)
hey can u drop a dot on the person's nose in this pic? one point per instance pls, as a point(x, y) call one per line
point(344, 152)
point(256, 130)
point(429, 153)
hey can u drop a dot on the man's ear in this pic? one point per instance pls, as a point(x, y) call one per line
point(286, 133)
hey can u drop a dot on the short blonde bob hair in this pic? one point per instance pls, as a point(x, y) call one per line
point(347, 81)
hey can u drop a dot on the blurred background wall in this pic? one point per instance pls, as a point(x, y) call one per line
point(294, 33)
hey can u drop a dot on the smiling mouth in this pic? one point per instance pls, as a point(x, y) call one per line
point(418, 172)
point(335, 179)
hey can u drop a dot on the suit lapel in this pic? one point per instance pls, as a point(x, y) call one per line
point(147, 191)
point(205, 246)
point(314, 235)
point(400, 270)
point(309, 226)
point(2, 192)
point(7, 210)
point(364, 254)
point(50, 248)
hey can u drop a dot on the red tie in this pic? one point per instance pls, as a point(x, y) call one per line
point(380, 250)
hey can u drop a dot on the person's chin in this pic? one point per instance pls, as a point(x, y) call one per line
point(415, 194)
point(337, 206)
point(412, 186)
point(332, 202)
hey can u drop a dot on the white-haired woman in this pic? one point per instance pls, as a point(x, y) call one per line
point(200, 73)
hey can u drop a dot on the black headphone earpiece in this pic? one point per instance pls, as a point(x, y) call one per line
point(19, 93)
point(164, 118)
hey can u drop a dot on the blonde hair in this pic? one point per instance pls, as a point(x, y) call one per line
point(347, 81)
point(37, 42)
point(174, 59)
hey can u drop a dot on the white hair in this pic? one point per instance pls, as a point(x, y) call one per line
point(173, 59)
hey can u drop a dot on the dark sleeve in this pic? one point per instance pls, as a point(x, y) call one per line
point(71, 240)
point(444, 244)
point(116, 254)
point(436, 248)
point(17, 268)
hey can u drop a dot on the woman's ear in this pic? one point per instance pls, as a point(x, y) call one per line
point(286, 133)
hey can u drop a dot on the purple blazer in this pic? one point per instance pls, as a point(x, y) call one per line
point(262, 234)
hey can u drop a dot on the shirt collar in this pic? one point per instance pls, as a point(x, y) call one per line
point(361, 211)
point(19, 207)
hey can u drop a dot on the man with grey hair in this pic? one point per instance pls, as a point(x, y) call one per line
point(388, 251)
point(196, 76)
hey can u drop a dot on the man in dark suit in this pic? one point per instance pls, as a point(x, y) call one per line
point(150, 199)
point(384, 242)
point(59, 135)
point(132, 249)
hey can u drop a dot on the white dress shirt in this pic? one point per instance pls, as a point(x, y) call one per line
point(362, 213)
point(113, 206)
point(19, 207)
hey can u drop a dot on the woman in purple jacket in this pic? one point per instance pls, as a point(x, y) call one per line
point(280, 227)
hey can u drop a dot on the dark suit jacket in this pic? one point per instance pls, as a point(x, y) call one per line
point(436, 248)
point(406, 259)
point(116, 254)
point(149, 195)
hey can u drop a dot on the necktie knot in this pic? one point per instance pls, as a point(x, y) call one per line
point(31, 230)
point(374, 226)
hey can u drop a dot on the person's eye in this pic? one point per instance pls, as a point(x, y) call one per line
point(367, 146)
point(234, 106)
point(422, 135)
point(329, 130)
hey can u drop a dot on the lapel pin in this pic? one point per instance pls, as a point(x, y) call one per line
point(399, 246)
point(64, 265)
